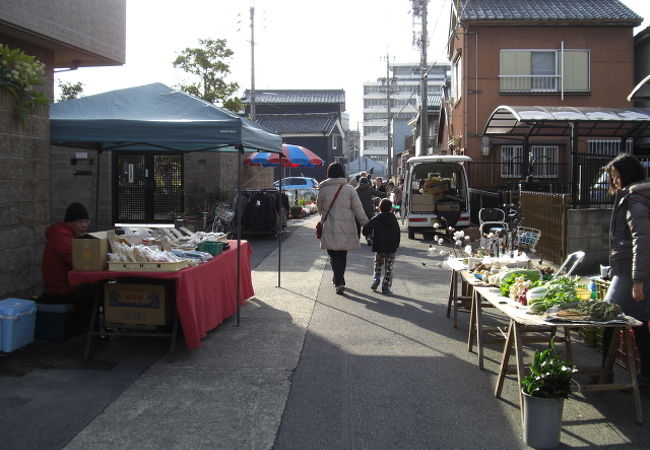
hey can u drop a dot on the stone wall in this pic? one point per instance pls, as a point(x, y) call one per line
point(75, 180)
point(24, 193)
point(588, 230)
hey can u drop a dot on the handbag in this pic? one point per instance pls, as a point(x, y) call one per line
point(319, 225)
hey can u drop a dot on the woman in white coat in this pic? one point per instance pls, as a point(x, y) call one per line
point(340, 228)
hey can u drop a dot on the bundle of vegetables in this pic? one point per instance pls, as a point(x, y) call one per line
point(510, 278)
point(599, 311)
point(519, 288)
point(559, 291)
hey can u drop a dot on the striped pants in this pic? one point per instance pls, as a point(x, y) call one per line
point(384, 260)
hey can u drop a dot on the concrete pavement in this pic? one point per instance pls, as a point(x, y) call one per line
point(310, 369)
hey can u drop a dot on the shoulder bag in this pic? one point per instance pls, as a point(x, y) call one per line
point(319, 225)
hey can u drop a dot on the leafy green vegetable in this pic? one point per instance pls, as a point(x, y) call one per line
point(560, 291)
point(549, 376)
point(599, 310)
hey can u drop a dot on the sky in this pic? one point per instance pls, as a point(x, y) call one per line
point(299, 44)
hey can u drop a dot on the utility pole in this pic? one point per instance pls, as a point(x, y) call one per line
point(419, 9)
point(252, 63)
point(388, 85)
point(424, 71)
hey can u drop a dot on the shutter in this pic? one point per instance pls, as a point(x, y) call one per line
point(576, 70)
point(515, 62)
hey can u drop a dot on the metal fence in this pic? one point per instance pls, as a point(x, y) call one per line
point(583, 178)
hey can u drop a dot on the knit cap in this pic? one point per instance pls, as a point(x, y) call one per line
point(76, 211)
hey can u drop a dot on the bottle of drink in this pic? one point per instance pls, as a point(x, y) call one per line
point(593, 288)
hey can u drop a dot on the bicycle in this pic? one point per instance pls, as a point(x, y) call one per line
point(222, 219)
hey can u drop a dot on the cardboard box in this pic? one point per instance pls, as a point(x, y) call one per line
point(57, 322)
point(89, 252)
point(422, 203)
point(136, 304)
point(447, 206)
point(434, 187)
point(17, 320)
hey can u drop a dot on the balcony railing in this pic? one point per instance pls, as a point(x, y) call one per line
point(529, 83)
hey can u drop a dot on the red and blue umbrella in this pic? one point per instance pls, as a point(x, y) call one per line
point(293, 156)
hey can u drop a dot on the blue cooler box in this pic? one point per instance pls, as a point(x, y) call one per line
point(17, 321)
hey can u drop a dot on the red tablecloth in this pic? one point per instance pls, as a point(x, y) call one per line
point(205, 294)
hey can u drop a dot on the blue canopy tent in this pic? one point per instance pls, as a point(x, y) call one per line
point(155, 117)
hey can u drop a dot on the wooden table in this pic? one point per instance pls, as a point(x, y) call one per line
point(524, 327)
point(456, 295)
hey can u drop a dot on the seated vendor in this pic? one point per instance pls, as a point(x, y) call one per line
point(57, 260)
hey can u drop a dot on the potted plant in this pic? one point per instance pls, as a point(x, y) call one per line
point(544, 388)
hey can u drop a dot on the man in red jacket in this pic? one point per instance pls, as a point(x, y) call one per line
point(57, 260)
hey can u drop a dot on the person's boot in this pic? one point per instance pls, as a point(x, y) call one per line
point(375, 283)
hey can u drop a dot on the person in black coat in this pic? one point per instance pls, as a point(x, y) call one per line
point(385, 233)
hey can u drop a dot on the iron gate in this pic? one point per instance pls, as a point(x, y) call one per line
point(148, 188)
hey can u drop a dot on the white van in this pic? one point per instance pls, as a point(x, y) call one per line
point(435, 191)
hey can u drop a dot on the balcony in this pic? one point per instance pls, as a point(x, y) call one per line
point(511, 84)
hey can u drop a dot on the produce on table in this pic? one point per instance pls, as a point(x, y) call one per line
point(511, 277)
point(599, 310)
point(590, 310)
point(536, 293)
point(560, 291)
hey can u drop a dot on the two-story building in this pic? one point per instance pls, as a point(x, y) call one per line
point(554, 53)
point(313, 118)
point(62, 34)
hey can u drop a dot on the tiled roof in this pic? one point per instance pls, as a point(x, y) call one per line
point(596, 11)
point(281, 96)
point(298, 123)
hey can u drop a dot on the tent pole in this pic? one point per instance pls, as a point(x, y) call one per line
point(97, 173)
point(280, 232)
point(238, 206)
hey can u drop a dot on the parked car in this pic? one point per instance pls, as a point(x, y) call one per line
point(290, 183)
point(436, 191)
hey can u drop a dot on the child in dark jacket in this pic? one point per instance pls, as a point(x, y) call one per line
point(385, 233)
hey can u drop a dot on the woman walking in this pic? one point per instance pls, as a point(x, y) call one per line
point(340, 208)
point(629, 256)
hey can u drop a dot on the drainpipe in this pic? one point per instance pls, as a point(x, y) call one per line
point(562, 70)
point(574, 166)
point(465, 90)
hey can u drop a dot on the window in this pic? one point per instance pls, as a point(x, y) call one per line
point(552, 70)
point(511, 161)
point(543, 71)
point(608, 147)
point(544, 161)
point(456, 79)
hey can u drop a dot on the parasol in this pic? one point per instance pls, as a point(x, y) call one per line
point(292, 156)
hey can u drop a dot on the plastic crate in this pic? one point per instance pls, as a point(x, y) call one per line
point(601, 287)
point(212, 247)
point(621, 355)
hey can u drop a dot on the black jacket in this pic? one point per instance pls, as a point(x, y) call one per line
point(385, 232)
point(629, 234)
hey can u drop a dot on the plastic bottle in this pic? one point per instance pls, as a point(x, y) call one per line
point(593, 288)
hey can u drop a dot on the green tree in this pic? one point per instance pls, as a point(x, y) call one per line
point(70, 90)
point(209, 64)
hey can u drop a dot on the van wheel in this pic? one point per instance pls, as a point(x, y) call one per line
point(411, 233)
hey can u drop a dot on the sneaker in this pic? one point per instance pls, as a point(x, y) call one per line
point(339, 290)
point(375, 284)
point(385, 289)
